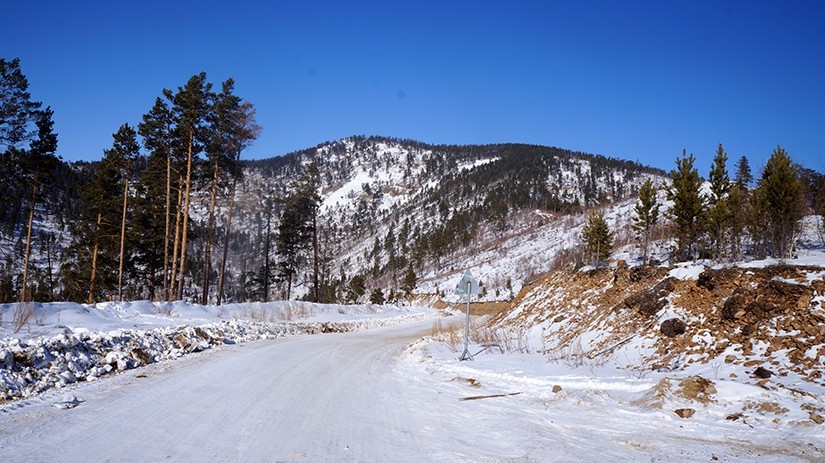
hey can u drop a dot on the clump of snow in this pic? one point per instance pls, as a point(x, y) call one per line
point(687, 270)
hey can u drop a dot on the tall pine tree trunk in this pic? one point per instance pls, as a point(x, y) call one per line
point(122, 240)
point(185, 231)
point(166, 234)
point(226, 240)
point(94, 259)
point(173, 275)
point(207, 264)
point(267, 271)
point(24, 288)
point(315, 255)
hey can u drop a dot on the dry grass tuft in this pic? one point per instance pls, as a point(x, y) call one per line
point(451, 335)
point(24, 312)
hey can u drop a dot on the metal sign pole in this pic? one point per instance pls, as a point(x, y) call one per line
point(469, 286)
point(466, 355)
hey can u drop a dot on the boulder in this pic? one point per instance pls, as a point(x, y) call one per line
point(735, 306)
point(719, 281)
point(697, 388)
point(684, 412)
point(673, 327)
point(762, 372)
point(650, 301)
point(774, 296)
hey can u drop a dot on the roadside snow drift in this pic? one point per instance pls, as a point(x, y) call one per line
point(73, 342)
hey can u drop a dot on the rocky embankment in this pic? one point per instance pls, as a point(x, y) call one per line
point(768, 321)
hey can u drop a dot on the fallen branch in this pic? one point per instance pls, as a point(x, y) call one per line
point(476, 397)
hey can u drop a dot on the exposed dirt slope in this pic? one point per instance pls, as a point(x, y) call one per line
point(769, 320)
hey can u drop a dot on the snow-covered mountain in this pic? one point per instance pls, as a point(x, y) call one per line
point(505, 211)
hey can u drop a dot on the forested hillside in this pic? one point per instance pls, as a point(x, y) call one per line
point(172, 211)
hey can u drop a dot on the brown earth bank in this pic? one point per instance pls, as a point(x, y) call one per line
point(769, 319)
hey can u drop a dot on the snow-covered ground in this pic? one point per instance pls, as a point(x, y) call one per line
point(386, 394)
point(520, 407)
point(291, 381)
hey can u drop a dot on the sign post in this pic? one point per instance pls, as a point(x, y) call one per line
point(469, 286)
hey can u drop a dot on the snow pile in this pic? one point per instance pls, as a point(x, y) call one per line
point(631, 417)
point(93, 341)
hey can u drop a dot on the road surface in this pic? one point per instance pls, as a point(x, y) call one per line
point(328, 397)
point(354, 397)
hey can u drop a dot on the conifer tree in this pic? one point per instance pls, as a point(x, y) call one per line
point(356, 288)
point(647, 216)
point(190, 106)
point(597, 238)
point(820, 211)
point(125, 150)
point(244, 130)
point(17, 111)
point(718, 215)
point(410, 281)
point(39, 164)
point(377, 296)
point(92, 269)
point(298, 230)
point(758, 223)
point(156, 130)
point(784, 200)
point(290, 241)
point(149, 226)
point(221, 155)
point(737, 219)
point(743, 176)
point(687, 211)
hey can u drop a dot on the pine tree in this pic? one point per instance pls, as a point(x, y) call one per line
point(156, 130)
point(758, 224)
point(290, 241)
point(125, 150)
point(39, 164)
point(356, 288)
point(243, 131)
point(410, 281)
point(221, 154)
point(687, 211)
point(150, 224)
point(597, 238)
point(298, 230)
point(737, 219)
point(17, 111)
point(92, 268)
point(820, 211)
point(743, 176)
point(647, 216)
point(784, 201)
point(718, 215)
point(377, 296)
point(190, 107)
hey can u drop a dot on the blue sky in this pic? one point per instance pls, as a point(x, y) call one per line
point(633, 80)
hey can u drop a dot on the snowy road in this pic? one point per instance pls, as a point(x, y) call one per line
point(308, 398)
point(362, 397)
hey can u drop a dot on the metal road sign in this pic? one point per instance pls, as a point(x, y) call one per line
point(468, 280)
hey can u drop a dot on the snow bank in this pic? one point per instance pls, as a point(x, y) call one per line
point(86, 342)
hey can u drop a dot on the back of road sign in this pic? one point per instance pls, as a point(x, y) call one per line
point(468, 278)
